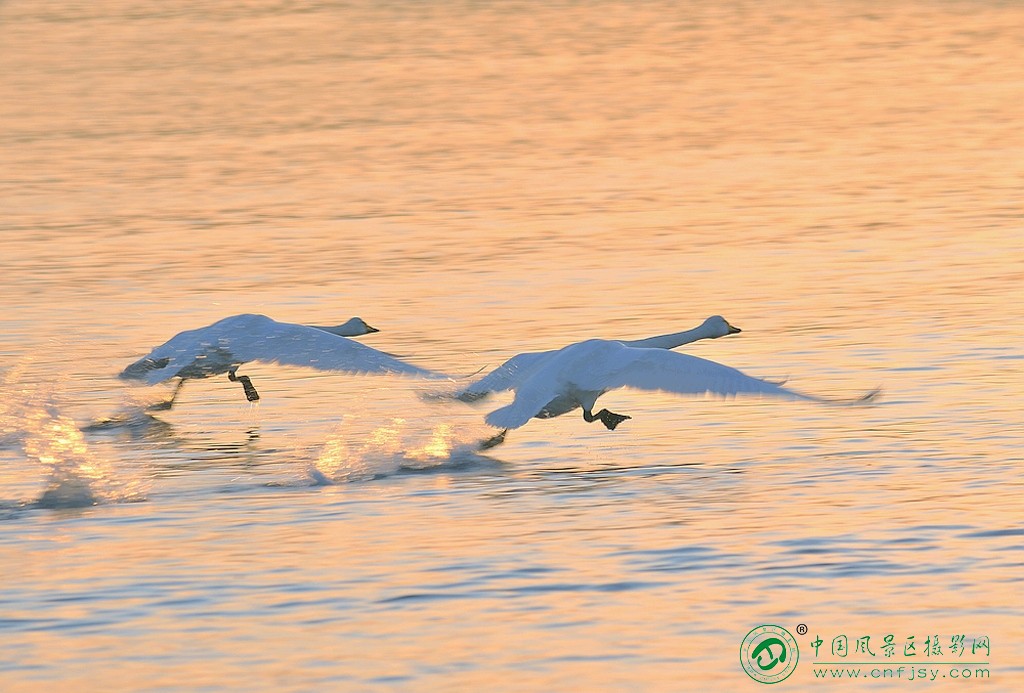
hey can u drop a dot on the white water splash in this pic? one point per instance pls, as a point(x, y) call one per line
point(73, 475)
point(389, 449)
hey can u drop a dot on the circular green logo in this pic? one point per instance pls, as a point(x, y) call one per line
point(769, 654)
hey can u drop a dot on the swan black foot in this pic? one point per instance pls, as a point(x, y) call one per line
point(608, 418)
point(165, 406)
point(493, 441)
point(611, 419)
point(470, 397)
point(250, 390)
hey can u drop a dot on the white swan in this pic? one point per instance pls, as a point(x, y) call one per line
point(510, 374)
point(582, 372)
point(226, 344)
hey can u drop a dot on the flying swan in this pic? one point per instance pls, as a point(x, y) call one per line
point(510, 374)
point(226, 344)
point(582, 372)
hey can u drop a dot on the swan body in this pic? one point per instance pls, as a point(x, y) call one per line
point(509, 375)
point(226, 344)
point(582, 372)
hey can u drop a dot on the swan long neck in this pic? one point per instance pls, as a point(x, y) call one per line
point(670, 341)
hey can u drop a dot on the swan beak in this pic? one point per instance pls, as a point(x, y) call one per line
point(371, 330)
point(733, 329)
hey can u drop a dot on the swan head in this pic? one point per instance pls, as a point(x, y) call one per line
point(352, 328)
point(717, 326)
point(358, 326)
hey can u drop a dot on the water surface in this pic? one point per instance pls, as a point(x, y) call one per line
point(479, 179)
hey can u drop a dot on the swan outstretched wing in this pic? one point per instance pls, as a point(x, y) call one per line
point(200, 350)
point(685, 374)
point(297, 345)
point(531, 397)
point(507, 376)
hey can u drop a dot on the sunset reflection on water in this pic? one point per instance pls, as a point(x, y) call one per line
point(841, 181)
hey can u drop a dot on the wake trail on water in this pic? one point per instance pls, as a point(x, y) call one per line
point(56, 454)
point(396, 447)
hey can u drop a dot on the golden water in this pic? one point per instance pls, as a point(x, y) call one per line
point(841, 180)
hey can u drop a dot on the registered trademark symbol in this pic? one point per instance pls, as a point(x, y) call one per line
point(801, 629)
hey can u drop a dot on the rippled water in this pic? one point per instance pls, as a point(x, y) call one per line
point(842, 181)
